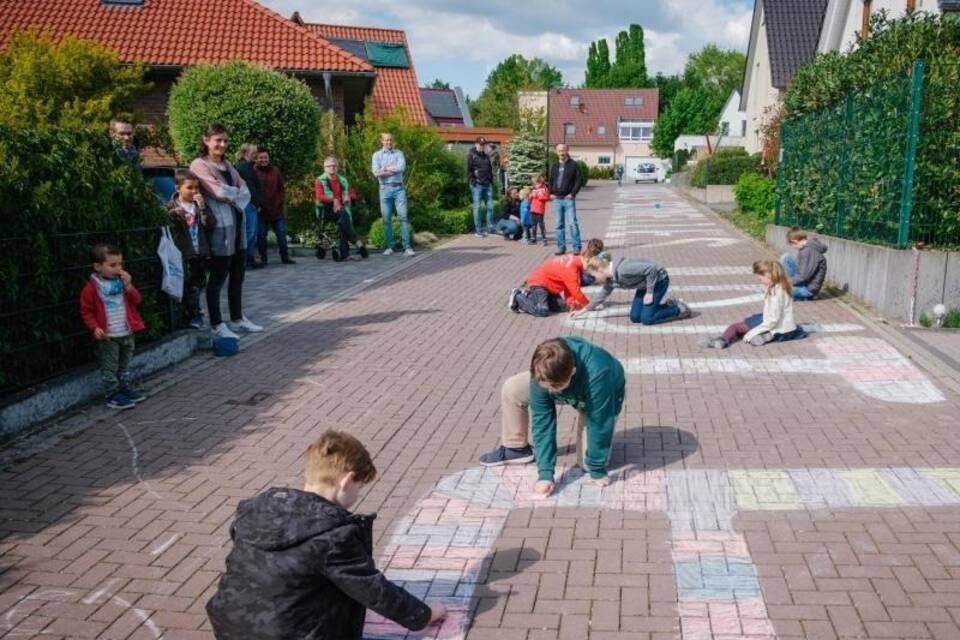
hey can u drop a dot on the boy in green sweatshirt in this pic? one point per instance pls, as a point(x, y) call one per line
point(567, 370)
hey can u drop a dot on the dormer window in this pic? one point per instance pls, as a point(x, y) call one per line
point(633, 101)
point(574, 101)
point(122, 3)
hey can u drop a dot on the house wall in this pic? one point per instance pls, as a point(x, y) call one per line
point(618, 154)
point(849, 14)
point(732, 115)
point(762, 94)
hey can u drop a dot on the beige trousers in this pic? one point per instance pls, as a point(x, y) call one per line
point(515, 413)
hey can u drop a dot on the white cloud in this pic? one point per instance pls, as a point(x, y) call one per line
point(468, 41)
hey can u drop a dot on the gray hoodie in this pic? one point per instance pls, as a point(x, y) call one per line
point(812, 265)
point(630, 273)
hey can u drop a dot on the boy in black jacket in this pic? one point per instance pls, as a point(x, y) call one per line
point(190, 222)
point(302, 565)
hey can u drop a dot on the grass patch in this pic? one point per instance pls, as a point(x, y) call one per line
point(754, 224)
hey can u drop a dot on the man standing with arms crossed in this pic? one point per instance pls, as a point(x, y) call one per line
point(388, 167)
point(565, 183)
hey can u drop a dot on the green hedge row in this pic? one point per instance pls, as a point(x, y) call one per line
point(724, 167)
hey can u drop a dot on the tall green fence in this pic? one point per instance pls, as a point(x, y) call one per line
point(878, 167)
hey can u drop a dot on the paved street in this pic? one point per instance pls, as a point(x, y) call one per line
point(808, 489)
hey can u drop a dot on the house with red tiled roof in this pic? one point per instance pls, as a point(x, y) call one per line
point(388, 52)
point(169, 35)
point(602, 127)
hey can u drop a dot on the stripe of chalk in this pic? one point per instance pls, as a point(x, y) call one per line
point(765, 491)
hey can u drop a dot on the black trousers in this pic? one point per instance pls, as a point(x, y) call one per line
point(222, 268)
point(196, 279)
point(344, 225)
point(539, 302)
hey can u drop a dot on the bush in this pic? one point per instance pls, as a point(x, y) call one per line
point(952, 319)
point(584, 171)
point(256, 104)
point(71, 83)
point(377, 238)
point(680, 158)
point(724, 167)
point(601, 173)
point(55, 182)
point(755, 193)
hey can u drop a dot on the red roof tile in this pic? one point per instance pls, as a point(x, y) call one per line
point(598, 107)
point(393, 85)
point(178, 32)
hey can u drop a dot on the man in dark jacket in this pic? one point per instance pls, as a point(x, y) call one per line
point(808, 270)
point(273, 196)
point(244, 166)
point(480, 177)
point(565, 183)
point(302, 565)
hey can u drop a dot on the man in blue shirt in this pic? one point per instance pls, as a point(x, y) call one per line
point(388, 166)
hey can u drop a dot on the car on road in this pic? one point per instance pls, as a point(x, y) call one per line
point(645, 171)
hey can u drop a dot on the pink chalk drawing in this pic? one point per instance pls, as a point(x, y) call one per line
point(439, 548)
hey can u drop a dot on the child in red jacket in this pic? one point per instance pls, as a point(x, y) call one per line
point(553, 287)
point(539, 198)
point(108, 306)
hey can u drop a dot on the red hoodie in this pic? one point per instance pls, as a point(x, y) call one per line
point(539, 198)
point(561, 275)
point(94, 314)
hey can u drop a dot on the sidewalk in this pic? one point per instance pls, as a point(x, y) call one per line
point(799, 490)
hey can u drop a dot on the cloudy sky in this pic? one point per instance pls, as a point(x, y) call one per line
point(461, 42)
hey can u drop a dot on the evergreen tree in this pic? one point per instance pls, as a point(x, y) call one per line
point(528, 153)
point(629, 69)
point(603, 61)
point(592, 63)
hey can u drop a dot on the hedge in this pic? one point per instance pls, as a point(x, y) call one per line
point(724, 167)
point(755, 193)
point(55, 182)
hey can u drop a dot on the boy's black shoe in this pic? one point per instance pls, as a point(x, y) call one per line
point(134, 395)
point(505, 455)
point(119, 400)
point(560, 251)
point(288, 261)
point(362, 249)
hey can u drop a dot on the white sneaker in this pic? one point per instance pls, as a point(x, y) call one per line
point(409, 252)
point(246, 326)
point(388, 252)
point(223, 331)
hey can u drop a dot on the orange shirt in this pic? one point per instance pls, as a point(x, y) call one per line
point(561, 275)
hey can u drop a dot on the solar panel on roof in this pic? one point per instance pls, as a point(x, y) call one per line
point(356, 47)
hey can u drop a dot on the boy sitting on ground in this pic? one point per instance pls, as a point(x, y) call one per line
point(567, 370)
point(808, 270)
point(302, 564)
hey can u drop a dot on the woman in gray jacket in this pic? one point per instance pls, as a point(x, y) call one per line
point(648, 278)
point(226, 195)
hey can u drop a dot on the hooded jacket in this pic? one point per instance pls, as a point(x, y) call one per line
point(629, 273)
point(812, 266)
point(301, 568)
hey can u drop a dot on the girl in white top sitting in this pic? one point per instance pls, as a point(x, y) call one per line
point(776, 323)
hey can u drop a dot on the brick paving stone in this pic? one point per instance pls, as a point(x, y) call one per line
point(754, 501)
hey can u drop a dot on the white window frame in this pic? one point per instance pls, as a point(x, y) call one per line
point(601, 130)
point(570, 129)
point(633, 101)
point(725, 128)
point(574, 101)
point(645, 131)
point(601, 163)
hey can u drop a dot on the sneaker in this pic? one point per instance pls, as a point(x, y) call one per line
point(120, 401)
point(761, 339)
point(288, 261)
point(246, 326)
point(545, 243)
point(409, 252)
point(388, 252)
point(223, 331)
point(684, 310)
point(196, 322)
point(513, 300)
point(134, 395)
point(505, 455)
point(480, 235)
point(558, 252)
point(718, 343)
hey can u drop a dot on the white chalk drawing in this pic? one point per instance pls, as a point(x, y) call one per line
point(712, 243)
point(711, 271)
point(869, 365)
point(439, 548)
point(659, 233)
point(20, 625)
point(690, 288)
point(135, 462)
point(163, 546)
point(596, 324)
point(624, 308)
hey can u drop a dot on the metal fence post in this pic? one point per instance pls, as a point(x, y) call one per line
point(910, 154)
point(844, 191)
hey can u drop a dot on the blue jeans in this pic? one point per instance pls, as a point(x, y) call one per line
point(561, 207)
point(800, 292)
point(654, 312)
point(482, 192)
point(279, 230)
point(252, 224)
point(509, 229)
point(394, 197)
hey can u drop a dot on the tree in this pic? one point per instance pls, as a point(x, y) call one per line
point(630, 67)
point(667, 87)
point(256, 104)
point(598, 64)
point(692, 111)
point(73, 83)
point(715, 68)
point(528, 150)
point(439, 84)
point(497, 104)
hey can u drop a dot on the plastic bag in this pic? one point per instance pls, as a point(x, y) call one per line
point(172, 261)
